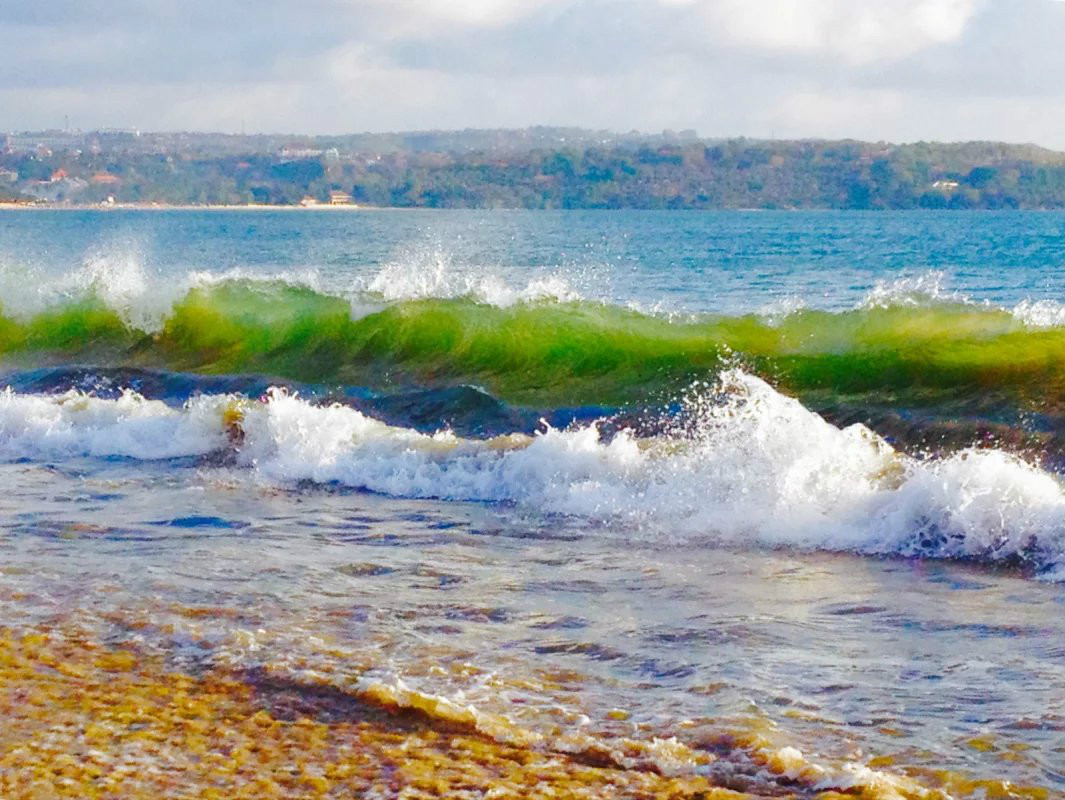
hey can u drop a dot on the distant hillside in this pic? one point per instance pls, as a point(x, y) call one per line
point(529, 168)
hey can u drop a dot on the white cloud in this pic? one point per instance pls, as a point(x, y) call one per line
point(880, 69)
point(428, 18)
point(858, 31)
point(473, 12)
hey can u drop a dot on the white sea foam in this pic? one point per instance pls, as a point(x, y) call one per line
point(115, 276)
point(931, 288)
point(757, 468)
point(306, 278)
point(433, 275)
point(74, 424)
point(120, 281)
point(778, 310)
point(1040, 313)
point(925, 288)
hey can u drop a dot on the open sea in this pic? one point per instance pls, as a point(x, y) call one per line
point(532, 504)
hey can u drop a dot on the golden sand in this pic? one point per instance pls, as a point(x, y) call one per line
point(80, 718)
point(88, 721)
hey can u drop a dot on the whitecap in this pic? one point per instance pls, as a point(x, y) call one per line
point(756, 468)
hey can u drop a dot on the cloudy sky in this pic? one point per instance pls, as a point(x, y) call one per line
point(898, 70)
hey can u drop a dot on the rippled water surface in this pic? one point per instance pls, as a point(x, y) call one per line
point(725, 262)
point(847, 655)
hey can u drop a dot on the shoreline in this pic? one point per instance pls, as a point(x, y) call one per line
point(5, 206)
point(17, 206)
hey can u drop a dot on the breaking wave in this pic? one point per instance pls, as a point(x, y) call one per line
point(540, 344)
point(750, 466)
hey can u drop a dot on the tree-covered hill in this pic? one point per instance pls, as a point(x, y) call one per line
point(531, 168)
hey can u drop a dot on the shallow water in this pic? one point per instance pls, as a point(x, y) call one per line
point(570, 587)
point(933, 664)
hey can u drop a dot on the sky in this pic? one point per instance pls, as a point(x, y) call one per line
point(892, 70)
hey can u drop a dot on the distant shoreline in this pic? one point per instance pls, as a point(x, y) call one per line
point(4, 205)
point(325, 207)
point(528, 169)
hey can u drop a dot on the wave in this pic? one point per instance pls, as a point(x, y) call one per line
point(118, 278)
point(77, 424)
point(750, 467)
point(554, 353)
point(743, 759)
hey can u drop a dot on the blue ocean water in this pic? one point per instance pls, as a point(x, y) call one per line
point(762, 569)
point(725, 262)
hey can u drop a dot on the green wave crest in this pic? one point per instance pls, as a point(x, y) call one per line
point(559, 353)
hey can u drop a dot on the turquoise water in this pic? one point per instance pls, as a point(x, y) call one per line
point(792, 473)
